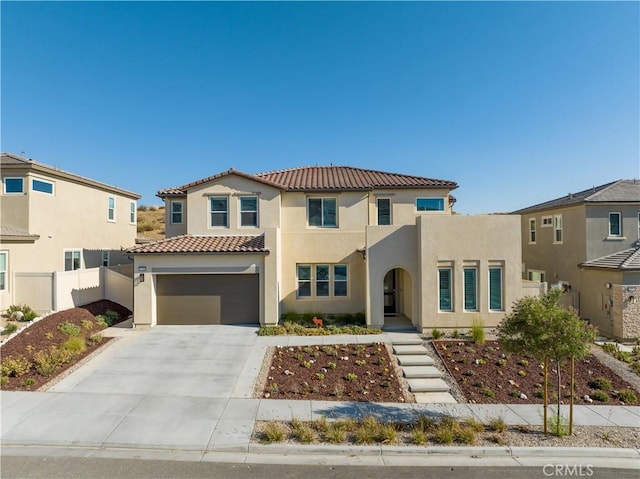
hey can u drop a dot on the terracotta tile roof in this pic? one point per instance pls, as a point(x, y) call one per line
point(621, 191)
point(317, 178)
point(204, 244)
point(626, 260)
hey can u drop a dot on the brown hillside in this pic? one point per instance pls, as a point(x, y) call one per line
point(151, 221)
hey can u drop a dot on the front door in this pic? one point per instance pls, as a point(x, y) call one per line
point(390, 293)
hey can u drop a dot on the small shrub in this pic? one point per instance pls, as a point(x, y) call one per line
point(351, 377)
point(321, 424)
point(559, 426)
point(387, 434)
point(49, 335)
point(497, 438)
point(102, 322)
point(4, 380)
point(335, 434)
point(112, 317)
point(515, 394)
point(320, 376)
point(86, 324)
point(418, 437)
point(365, 434)
point(28, 314)
point(27, 383)
point(273, 432)
point(69, 329)
point(600, 395)
point(10, 328)
point(75, 344)
point(338, 390)
point(444, 434)
point(360, 362)
point(95, 338)
point(522, 373)
point(497, 424)
point(477, 331)
point(424, 423)
point(600, 383)
point(455, 334)
point(302, 431)
point(48, 362)
point(473, 423)
point(488, 393)
point(501, 362)
point(465, 435)
point(305, 364)
point(523, 362)
point(15, 366)
point(436, 334)
point(332, 365)
point(627, 396)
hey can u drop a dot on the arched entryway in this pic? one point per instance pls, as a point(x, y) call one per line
point(398, 298)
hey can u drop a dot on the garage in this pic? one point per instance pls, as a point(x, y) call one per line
point(184, 299)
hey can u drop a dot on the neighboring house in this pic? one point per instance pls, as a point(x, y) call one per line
point(588, 243)
point(55, 221)
point(245, 248)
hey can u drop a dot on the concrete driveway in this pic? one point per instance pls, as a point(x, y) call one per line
point(184, 387)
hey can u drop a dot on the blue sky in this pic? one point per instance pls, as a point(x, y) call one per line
point(517, 102)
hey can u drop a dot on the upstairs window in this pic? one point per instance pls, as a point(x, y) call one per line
point(111, 209)
point(248, 211)
point(3, 270)
point(13, 186)
point(132, 212)
point(322, 212)
point(430, 204)
point(176, 212)
point(219, 211)
point(615, 224)
point(42, 186)
point(532, 230)
point(547, 221)
point(71, 260)
point(557, 229)
point(384, 211)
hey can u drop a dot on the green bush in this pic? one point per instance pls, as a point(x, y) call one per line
point(112, 317)
point(436, 334)
point(48, 362)
point(627, 396)
point(28, 313)
point(9, 328)
point(272, 331)
point(600, 383)
point(75, 344)
point(95, 338)
point(102, 321)
point(69, 329)
point(15, 366)
point(600, 395)
point(27, 383)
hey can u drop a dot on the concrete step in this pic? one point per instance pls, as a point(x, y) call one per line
point(411, 349)
point(429, 385)
point(434, 398)
point(406, 340)
point(415, 360)
point(412, 372)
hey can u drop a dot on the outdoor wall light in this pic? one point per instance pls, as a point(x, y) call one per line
point(608, 285)
point(142, 277)
point(631, 300)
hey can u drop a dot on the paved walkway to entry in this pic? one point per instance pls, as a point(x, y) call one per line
point(189, 388)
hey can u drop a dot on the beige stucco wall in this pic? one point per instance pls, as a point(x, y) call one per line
point(403, 204)
point(558, 261)
point(458, 241)
point(73, 217)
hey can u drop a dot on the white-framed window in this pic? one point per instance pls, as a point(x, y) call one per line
point(535, 275)
point(383, 207)
point(322, 281)
point(248, 211)
point(13, 186)
point(532, 231)
point(176, 212)
point(219, 211)
point(132, 212)
point(615, 224)
point(322, 212)
point(42, 186)
point(495, 289)
point(72, 260)
point(557, 229)
point(445, 293)
point(547, 221)
point(429, 204)
point(111, 208)
point(105, 257)
point(4, 257)
point(470, 289)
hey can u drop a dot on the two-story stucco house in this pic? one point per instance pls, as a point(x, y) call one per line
point(247, 248)
point(589, 244)
point(53, 220)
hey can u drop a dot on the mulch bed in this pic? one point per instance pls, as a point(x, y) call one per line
point(349, 372)
point(44, 334)
point(480, 368)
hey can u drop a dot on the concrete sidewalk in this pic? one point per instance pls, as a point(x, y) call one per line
point(187, 391)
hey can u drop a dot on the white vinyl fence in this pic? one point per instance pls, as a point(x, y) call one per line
point(61, 290)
